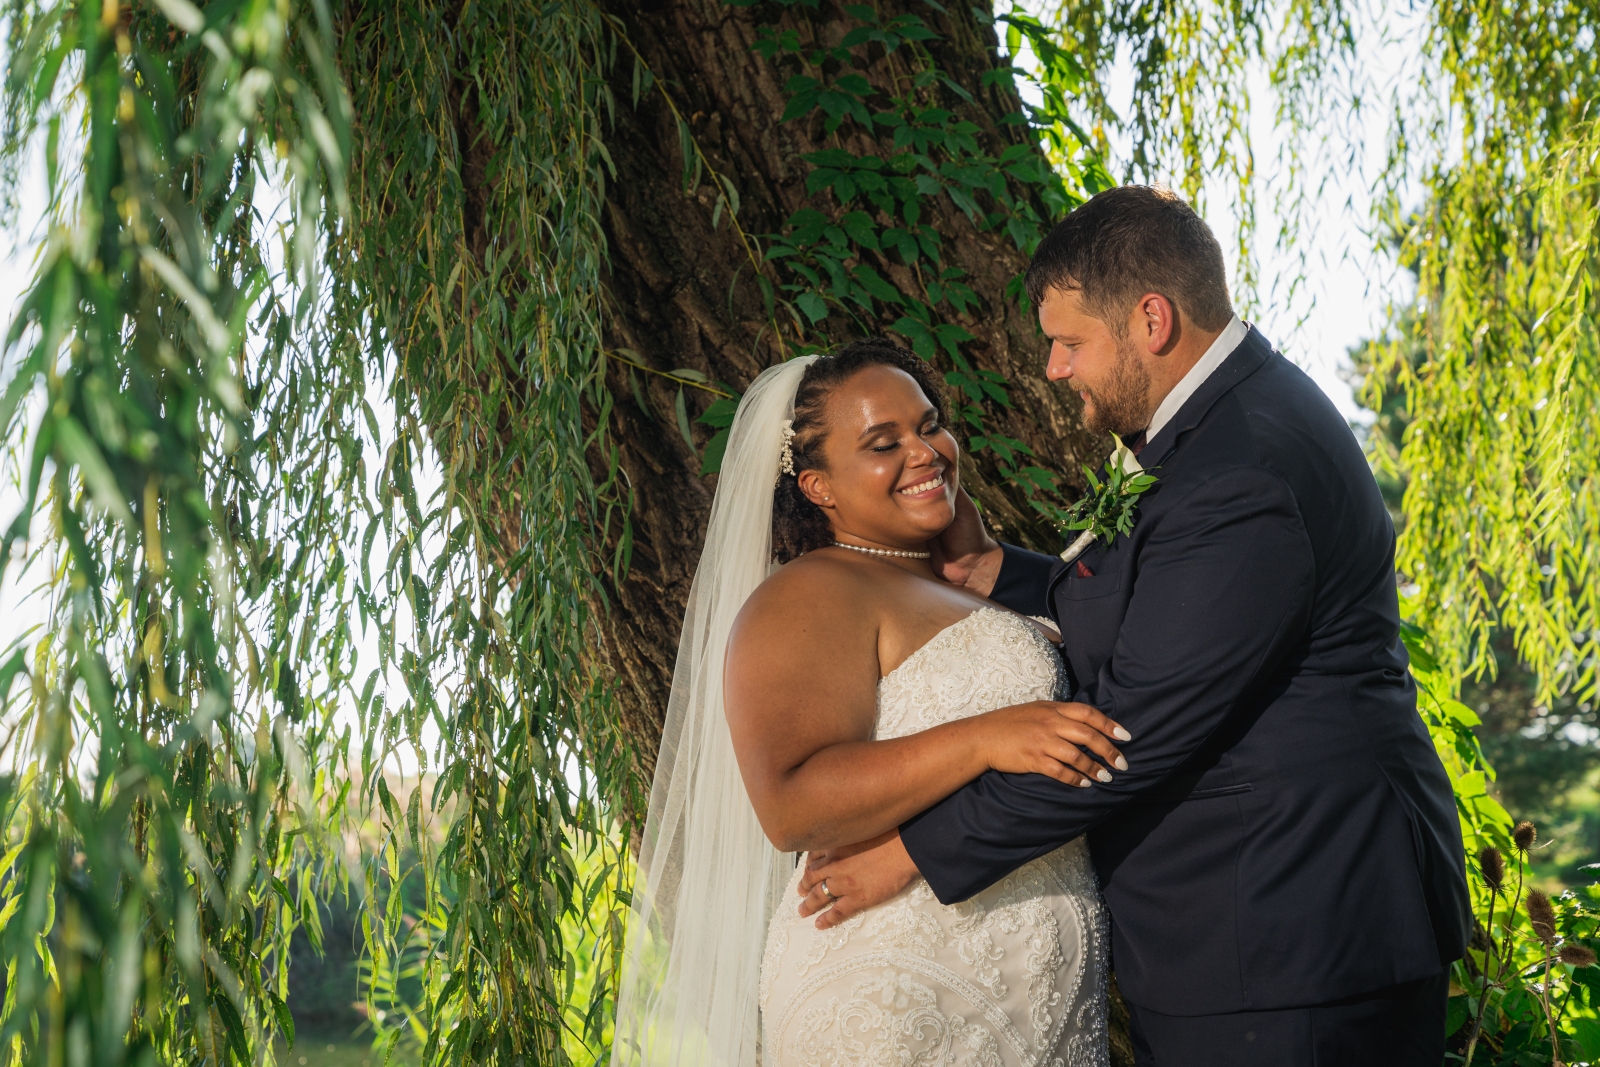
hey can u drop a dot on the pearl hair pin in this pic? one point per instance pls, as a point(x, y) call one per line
point(786, 457)
point(885, 551)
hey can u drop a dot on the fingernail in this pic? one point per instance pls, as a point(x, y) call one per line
point(1120, 764)
point(1084, 783)
point(1120, 734)
point(1103, 774)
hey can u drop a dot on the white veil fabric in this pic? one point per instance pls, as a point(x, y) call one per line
point(708, 878)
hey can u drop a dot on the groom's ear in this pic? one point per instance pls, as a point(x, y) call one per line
point(814, 484)
point(1154, 322)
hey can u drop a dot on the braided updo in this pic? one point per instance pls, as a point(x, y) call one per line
point(798, 525)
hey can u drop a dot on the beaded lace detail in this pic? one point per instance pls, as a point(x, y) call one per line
point(1015, 976)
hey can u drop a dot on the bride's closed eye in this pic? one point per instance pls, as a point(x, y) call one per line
point(927, 431)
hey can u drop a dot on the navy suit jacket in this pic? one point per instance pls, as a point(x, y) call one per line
point(1286, 834)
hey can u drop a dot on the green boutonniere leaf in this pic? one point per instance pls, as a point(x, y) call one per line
point(1107, 509)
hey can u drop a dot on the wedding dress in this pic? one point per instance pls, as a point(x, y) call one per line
point(1014, 976)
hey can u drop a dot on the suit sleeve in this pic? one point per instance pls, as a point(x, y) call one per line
point(1222, 595)
point(1023, 580)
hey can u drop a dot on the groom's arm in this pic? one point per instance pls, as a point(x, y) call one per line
point(1023, 581)
point(1223, 594)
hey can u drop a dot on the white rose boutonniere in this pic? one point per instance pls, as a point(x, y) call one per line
point(1106, 510)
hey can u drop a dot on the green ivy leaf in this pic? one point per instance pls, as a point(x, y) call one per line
point(878, 285)
point(854, 84)
point(716, 449)
point(831, 157)
point(814, 307)
point(720, 413)
point(860, 228)
point(822, 178)
point(921, 338)
point(951, 336)
point(800, 104)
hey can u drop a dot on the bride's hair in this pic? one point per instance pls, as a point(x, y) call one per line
point(798, 525)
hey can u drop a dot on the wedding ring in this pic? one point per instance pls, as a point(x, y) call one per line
point(826, 891)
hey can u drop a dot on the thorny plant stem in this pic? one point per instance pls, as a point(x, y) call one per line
point(1483, 1000)
point(1544, 998)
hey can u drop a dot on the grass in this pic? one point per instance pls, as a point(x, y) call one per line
point(340, 1050)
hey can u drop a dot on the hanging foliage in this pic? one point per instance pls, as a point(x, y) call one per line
point(162, 816)
point(1489, 188)
point(469, 280)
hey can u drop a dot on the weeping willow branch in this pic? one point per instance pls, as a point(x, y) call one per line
point(160, 825)
point(471, 266)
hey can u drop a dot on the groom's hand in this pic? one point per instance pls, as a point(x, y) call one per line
point(858, 876)
point(965, 554)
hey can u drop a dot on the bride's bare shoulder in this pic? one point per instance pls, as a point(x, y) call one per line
point(814, 589)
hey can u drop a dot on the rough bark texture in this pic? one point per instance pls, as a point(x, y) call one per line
point(682, 292)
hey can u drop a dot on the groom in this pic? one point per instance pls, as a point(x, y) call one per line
point(1282, 860)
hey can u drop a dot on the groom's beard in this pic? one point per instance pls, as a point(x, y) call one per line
point(1121, 404)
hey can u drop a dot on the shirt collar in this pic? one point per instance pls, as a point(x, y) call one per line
point(1229, 339)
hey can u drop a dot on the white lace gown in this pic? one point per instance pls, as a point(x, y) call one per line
point(1014, 976)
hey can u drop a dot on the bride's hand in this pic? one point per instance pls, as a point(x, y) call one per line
point(1043, 737)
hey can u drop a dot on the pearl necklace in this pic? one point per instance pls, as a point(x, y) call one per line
point(885, 551)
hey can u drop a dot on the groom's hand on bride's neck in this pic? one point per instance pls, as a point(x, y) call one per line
point(964, 554)
point(857, 877)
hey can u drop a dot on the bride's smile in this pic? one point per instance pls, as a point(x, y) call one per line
point(923, 489)
point(885, 472)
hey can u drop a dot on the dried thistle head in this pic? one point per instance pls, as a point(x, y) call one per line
point(1493, 866)
point(1542, 915)
point(1577, 955)
point(1524, 836)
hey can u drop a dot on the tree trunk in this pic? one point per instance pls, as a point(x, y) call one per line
point(682, 292)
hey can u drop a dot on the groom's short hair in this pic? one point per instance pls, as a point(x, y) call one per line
point(1128, 241)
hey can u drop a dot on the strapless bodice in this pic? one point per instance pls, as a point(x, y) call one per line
point(990, 659)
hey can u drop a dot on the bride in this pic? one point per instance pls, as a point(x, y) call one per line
point(821, 703)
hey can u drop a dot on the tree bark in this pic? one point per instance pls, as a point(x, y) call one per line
point(682, 292)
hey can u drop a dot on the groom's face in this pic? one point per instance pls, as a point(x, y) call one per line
point(1104, 369)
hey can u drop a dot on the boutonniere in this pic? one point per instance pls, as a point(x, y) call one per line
point(1107, 508)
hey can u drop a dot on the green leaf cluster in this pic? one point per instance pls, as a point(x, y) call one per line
point(1107, 508)
point(875, 259)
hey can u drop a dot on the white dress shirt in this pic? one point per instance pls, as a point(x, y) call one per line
point(1229, 339)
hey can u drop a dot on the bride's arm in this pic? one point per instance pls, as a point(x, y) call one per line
point(801, 695)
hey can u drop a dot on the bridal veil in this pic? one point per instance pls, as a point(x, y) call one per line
point(708, 879)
